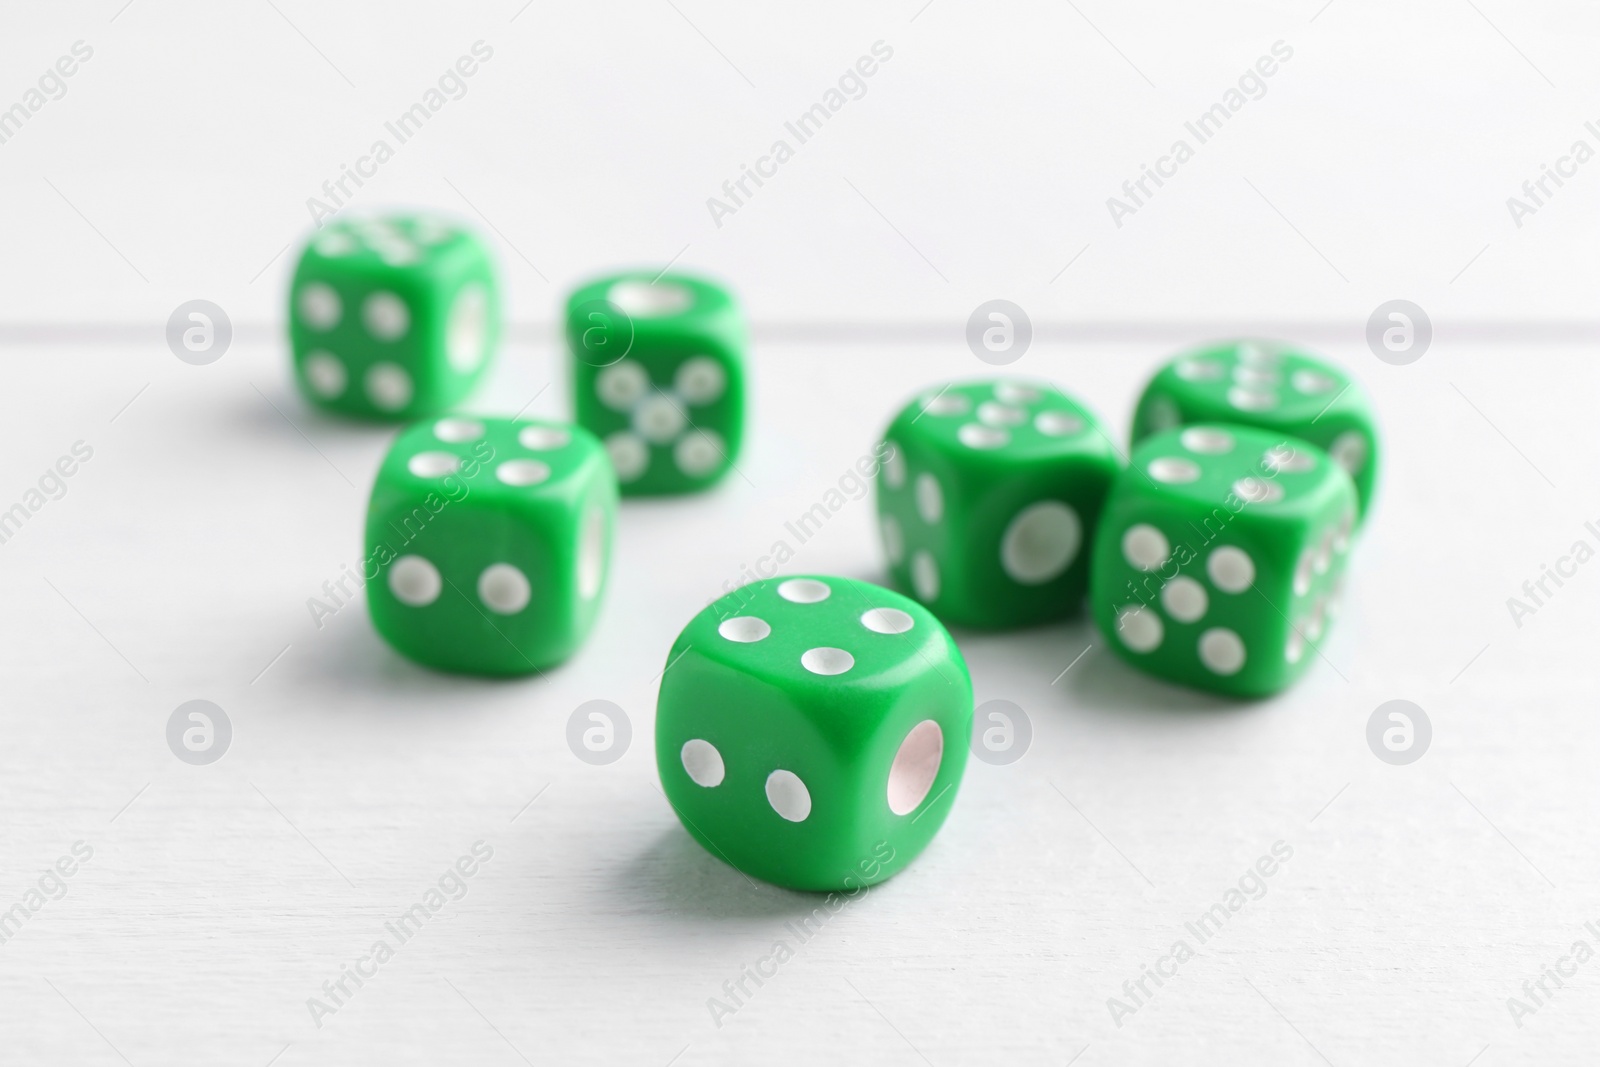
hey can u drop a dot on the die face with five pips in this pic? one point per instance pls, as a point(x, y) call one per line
point(1221, 555)
point(988, 501)
point(1272, 387)
point(392, 318)
point(491, 540)
point(658, 376)
point(812, 731)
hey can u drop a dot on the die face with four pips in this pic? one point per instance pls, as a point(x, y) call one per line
point(392, 318)
point(1273, 387)
point(812, 731)
point(1221, 555)
point(988, 501)
point(658, 376)
point(491, 539)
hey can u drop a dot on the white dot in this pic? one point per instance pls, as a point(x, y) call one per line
point(744, 629)
point(827, 661)
point(804, 590)
point(894, 466)
point(1257, 354)
point(1174, 470)
point(1285, 459)
point(1206, 441)
point(414, 581)
point(521, 472)
point(698, 453)
point(1057, 424)
point(930, 499)
point(887, 621)
point(325, 374)
point(1314, 623)
point(629, 455)
point(648, 300)
point(1349, 451)
point(1263, 378)
point(925, 576)
point(1139, 627)
point(457, 430)
point(1015, 393)
point(702, 762)
point(1185, 599)
point(1302, 572)
point(1295, 647)
point(1253, 490)
point(700, 380)
point(1252, 399)
point(974, 436)
point(945, 404)
point(1162, 414)
point(431, 231)
point(992, 414)
point(658, 419)
point(320, 307)
point(467, 329)
point(433, 464)
point(1324, 556)
point(334, 244)
point(543, 438)
point(1145, 547)
point(386, 316)
point(620, 385)
point(1197, 370)
point(592, 552)
point(788, 795)
point(388, 386)
point(1040, 542)
point(894, 542)
point(504, 589)
point(1231, 569)
point(1311, 382)
point(916, 765)
point(1221, 651)
point(1341, 541)
point(397, 253)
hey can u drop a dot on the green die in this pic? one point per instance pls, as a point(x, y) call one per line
point(658, 375)
point(1274, 387)
point(1220, 557)
point(488, 542)
point(812, 731)
point(988, 499)
point(392, 318)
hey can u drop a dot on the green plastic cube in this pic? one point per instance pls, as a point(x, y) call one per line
point(488, 543)
point(658, 375)
point(1274, 387)
point(1221, 555)
point(812, 731)
point(392, 318)
point(988, 500)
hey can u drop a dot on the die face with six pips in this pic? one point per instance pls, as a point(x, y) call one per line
point(491, 540)
point(812, 731)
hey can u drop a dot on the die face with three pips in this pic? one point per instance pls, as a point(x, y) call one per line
point(812, 731)
point(392, 318)
point(491, 539)
point(658, 375)
point(1221, 556)
point(988, 500)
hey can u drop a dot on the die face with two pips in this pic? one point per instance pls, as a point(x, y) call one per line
point(988, 500)
point(491, 539)
point(812, 731)
point(658, 376)
point(1272, 387)
point(1220, 557)
point(392, 318)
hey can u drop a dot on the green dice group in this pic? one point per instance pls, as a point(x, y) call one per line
point(813, 731)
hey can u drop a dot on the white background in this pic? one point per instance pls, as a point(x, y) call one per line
point(178, 563)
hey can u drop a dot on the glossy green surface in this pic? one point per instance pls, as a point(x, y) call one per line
point(988, 499)
point(743, 681)
point(1274, 387)
point(392, 318)
point(1220, 557)
point(658, 374)
point(488, 543)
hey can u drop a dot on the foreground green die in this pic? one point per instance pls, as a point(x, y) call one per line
point(392, 318)
point(988, 500)
point(490, 540)
point(658, 375)
point(812, 731)
point(1271, 386)
point(1220, 557)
